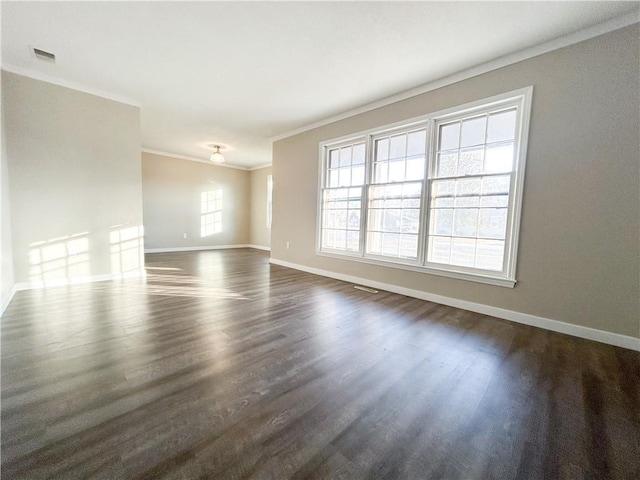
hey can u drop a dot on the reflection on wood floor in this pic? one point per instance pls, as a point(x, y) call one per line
point(219, 365)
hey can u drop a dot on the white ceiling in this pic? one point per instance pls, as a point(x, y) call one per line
point(241, 73)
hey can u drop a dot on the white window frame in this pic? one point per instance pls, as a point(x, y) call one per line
point(325, 148)
point(522, 99)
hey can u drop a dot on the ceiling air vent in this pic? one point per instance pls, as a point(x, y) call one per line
point(42, 55)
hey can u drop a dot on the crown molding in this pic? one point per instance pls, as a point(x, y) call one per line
point(192, 159)
point(25, 72)
point(260, 167)
point(560, 42)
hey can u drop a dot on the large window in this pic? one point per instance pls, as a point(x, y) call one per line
point(439, 194)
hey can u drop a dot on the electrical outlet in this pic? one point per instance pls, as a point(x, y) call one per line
point(184, 235)
point(287, 245)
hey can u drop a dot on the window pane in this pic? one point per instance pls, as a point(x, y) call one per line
point(341, 205)
point(409, 246)
point(410, 221)
point(468, 186)
point(396, 171)
point(374, 242)
point(333, 178)
point(489, 254)
point(353, 241)
point(440, 249)
point(382, 172)
point(390, 244)
point(493, 223)
point(345, 156)
point(334, 161)
point(391, 221)
point(470, 162)
point(340, 239)
point(441, 221)
point(375, 219)
point(492, 185)
point(412, 189)
point(461, 202)
point(393, 191)
point(449, 136)
point(358, 154)
point(341, 193)
point(417, 143)
point(447, 164)
point(443, 202)
point(382, 149)
point(415, 168)
point(327, 239)
point(357, 176)
point(398, 146)
point(465, 223)
point(499, 158)
point(463, 252)
point(502, 126)
point(411, 203)
point(444, 187)
point(345, 177)
point(473, 131)
point(495, 201)
point(353, 220)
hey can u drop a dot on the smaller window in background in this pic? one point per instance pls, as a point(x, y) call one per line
point(269, 200)
point(210, 212)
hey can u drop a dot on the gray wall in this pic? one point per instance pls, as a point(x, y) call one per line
point(578, 254)
point(75, 182)
point(260, 234)
point(172, 192)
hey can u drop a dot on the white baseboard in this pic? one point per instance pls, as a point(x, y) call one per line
point(194, 249)
point(7, 300)
point(61, 282)
point(259, 247)
point(602, 336)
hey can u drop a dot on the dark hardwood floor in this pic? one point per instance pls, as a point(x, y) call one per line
point(221, 366)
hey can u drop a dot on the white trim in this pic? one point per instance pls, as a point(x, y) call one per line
point(260, 167)
point(208, 247)
point(259, 247)
point(25, 72)
point(588, 333)
point(561, 42)
point(430, 270)
point(7, 300)
point(192, 159)
point(61, 282)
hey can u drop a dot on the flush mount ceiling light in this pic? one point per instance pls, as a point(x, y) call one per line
point(216, 156)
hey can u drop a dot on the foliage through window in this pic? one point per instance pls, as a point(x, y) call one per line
point(440, 193)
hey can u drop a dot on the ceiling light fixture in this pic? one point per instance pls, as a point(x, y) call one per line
point(216, 156)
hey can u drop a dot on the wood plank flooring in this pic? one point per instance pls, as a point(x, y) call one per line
point(222, 366)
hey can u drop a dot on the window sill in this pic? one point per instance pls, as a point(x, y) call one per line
point(471, 277)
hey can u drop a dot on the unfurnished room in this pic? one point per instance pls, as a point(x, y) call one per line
point(320, 240)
